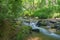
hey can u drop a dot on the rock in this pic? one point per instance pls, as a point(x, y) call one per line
point(52, 21)
point(36, 17)
point(52, 30)
point(25, 17)
point(56, 26)
point(38, 23)
point(48, 27)
point(27, 21)
point(35, 30)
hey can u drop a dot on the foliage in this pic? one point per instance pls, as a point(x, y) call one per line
point(41, 8)
point(23, 33)
point(58, 2)
point(44, 13)
point(9, 11)
point(9, 8)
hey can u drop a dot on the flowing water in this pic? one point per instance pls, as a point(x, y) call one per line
point(42, 30)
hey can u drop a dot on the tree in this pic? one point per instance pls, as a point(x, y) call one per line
point(10, 10)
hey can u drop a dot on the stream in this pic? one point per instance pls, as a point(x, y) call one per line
point(42, 30)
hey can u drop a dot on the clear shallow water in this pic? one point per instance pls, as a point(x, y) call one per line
point(42, 30)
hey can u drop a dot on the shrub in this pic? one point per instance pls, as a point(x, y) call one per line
point(23, 33)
